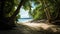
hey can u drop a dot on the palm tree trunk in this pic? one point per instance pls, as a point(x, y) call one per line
point(47, 11)
point(11, 19)
point(18, 8)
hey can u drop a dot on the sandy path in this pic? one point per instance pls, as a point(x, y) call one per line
point(40, 28)
point(33, 28)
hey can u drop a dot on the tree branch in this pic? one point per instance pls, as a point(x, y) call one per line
point(17, 11)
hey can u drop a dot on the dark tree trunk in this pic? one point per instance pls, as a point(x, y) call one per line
point(57, 19)
point(11, 19)
point(18, 8)
point(8, 22)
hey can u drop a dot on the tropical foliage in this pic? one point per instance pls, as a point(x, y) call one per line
point(44, 9)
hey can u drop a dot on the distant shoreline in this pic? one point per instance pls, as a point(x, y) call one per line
point(25, 20)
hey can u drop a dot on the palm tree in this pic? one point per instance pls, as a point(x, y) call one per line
point(47, 11)
point(11, 19)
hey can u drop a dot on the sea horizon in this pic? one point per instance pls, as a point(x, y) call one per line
point(24, 19)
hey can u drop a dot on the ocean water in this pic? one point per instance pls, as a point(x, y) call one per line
point(24, 20)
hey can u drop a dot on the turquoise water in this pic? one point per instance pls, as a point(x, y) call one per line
point(24, 20)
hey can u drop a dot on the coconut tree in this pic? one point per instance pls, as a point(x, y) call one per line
point(7, 7)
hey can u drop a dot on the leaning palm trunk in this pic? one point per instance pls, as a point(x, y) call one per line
point(11, 19)
point(18, 8)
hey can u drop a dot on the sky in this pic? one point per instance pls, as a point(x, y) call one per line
point(24, 13)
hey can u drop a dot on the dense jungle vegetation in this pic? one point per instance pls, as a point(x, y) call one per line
point(44, 9)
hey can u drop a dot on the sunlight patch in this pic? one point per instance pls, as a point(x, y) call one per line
point(38, 25)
